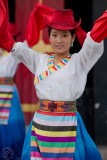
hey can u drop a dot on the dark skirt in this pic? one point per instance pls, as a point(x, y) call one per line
point(12, 135)
point(85, 148)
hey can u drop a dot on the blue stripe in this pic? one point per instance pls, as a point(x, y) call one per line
point(58, 66)
point(2, 107)
point(6, 86)
point(51, 56)
point(3, 121)
point(34, 149)
point(57, 155)
point(65, 60)
point(40, 77)
point(56, 118)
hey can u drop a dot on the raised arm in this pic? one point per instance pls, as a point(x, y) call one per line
point(93, 47)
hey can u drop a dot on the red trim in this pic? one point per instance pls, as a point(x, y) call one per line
point(57, 114)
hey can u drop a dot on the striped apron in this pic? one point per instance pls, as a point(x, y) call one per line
point(54, 129)
point(6, 94)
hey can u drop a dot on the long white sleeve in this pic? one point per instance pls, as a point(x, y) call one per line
point(27, 56)
point(8, 66)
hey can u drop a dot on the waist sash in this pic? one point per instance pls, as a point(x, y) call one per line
point(57, 106)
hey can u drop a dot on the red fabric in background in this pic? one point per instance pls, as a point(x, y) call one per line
point(6, 41)
point(24, 78)
point(36, 23)
point(23, 10)
point(99, 30)
point(81, 35)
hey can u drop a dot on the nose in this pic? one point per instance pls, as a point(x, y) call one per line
point(59, 39)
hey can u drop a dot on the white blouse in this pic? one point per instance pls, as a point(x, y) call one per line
point(67, 83)
point(8, 66)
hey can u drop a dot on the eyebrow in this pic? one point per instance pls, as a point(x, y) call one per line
point(57, 32)
point(64, 31)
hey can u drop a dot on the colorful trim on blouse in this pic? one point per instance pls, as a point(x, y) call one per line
point(51, 68)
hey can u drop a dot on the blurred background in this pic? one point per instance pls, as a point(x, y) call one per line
point(93, 103)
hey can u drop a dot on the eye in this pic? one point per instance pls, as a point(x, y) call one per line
point(54, 35)
point(65, 35)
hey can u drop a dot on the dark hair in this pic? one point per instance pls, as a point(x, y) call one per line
point(71, 31)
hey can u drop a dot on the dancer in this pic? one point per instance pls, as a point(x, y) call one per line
point(12, 122)
point(57, 128)
point(58, 131)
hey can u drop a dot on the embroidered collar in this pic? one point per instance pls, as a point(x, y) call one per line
point(51, 68)
point(61, 63)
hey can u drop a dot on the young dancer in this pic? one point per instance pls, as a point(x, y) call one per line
point(58, 131)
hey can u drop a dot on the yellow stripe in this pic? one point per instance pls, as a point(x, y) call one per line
point(52, 69)
point(30, 107)
point(54, 134)
point(44, 75)
point(6, 95)
point(36, 80)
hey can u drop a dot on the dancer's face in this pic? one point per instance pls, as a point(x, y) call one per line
point(61, 41)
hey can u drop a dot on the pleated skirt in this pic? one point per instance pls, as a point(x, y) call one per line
point(12, 135)
point(55, 137)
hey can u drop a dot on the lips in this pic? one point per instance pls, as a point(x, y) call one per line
point(59, 46)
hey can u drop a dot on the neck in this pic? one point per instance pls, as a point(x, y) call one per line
point(59, 57)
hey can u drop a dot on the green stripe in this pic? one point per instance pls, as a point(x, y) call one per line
point(33, 138)
point(5, 102)
point(56, 144)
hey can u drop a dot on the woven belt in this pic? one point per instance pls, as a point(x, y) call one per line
point(6, 80)
point(58, 106)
